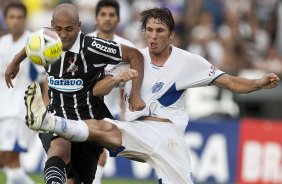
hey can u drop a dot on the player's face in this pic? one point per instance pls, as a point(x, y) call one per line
point(107, 20)
point(158, 36)
point(67, 29)
point(15, 21)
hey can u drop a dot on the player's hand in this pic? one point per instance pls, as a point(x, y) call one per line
point(126, 75)
point(136, 103)
point(11, 72)
point(269, 81)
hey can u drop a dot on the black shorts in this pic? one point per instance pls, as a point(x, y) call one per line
point(84, 158)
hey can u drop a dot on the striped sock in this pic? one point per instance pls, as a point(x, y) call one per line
point(55, 171)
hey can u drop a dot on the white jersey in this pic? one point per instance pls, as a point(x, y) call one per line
point(14, 134)
point(164, 87)
point(113, 99)
point(12, 100)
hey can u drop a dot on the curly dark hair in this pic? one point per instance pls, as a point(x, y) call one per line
point(162, 14)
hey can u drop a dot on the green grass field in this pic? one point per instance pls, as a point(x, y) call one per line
point(39, 180)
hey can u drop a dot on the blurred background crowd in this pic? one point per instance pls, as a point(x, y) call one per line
point(240, 37)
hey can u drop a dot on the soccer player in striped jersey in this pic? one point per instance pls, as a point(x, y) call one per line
point(156, 133)
point(71, 81)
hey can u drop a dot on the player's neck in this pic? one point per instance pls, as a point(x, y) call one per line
point(17, 36)
point(159, 59)
point(108, 36)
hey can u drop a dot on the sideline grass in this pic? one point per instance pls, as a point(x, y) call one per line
point(39, 180)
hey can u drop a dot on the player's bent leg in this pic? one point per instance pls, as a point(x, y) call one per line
point(59, 154)
point(36, 110)
point(100, 131)
point(104, 133)
point(171, 160)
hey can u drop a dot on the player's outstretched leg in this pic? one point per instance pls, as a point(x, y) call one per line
point(36, 110)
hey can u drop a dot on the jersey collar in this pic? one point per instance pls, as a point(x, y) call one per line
point(76, 46)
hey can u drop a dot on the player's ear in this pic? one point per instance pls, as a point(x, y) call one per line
point(171, 35)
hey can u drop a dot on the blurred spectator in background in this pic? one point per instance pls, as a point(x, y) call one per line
point(14, 136)
point(3, 29)
point(203, 40)
point(272, 61)
point(279, 26)
point(86, 13)
point(131, 30)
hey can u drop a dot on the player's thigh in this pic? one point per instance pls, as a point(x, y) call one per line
point(171, 159)
point(104, 132)
point(139, 140)
point(56, 146)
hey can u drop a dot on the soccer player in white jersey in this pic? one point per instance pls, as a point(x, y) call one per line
point(156, 133)
point(107, 19)
point(14, 136)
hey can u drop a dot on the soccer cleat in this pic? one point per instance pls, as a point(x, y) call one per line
point(36, 110)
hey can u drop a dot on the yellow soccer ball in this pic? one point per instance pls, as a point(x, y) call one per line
point(44, 47)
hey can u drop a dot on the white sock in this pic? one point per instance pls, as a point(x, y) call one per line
point(98, 175)
point(74, 130)
point(17, 176)
point(48, 122)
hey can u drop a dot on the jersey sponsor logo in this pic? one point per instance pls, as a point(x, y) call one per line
point(157, 87)
point(104, 48)
point(65, 85)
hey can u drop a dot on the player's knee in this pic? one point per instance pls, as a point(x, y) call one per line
point(61, 149)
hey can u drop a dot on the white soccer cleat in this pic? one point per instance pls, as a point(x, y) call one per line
point(36, 110)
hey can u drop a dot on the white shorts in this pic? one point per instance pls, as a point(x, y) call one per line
point(161, 145)
point(15, 136)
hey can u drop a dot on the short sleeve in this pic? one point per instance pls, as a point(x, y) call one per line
point(197, 71)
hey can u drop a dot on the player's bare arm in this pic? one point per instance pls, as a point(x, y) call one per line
point(244, 85)
point(104, 86)
point(14, 67)
point(136, 61)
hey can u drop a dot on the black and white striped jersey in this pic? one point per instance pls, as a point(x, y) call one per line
point(71, 79)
